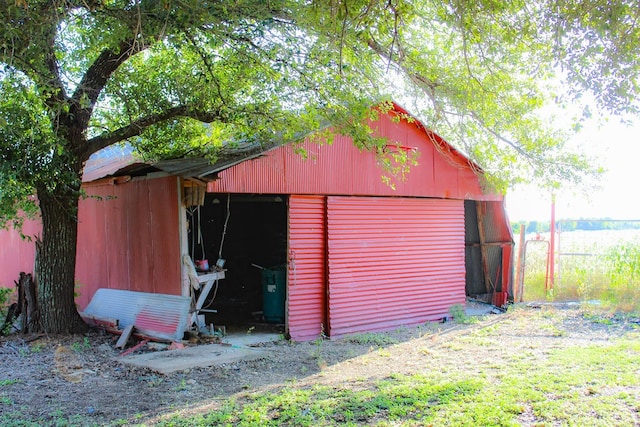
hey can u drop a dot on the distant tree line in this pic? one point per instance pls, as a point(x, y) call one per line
point(577, 224)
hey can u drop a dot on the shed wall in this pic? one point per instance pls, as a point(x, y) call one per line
point(17, 254)
point(393, 261)
point(128, 238)
point(306, 308)
point(341, 168)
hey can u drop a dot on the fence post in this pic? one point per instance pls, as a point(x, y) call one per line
point(552, 245)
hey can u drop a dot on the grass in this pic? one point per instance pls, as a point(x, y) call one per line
point(531, 382)
point(595, 265)
point(377, 339)
point(523, 368)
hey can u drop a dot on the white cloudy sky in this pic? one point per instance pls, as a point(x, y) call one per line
point(618, 148)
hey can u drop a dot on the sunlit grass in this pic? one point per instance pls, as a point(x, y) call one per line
point(564, 385)
point(596, 265)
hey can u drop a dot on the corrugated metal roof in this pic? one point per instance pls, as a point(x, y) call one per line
point(122, 159)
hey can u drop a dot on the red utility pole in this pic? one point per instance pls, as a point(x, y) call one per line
point(552, 245)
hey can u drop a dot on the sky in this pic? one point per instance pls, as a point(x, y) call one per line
point(617, 148)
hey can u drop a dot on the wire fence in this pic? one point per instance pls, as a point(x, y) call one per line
point(597, 260)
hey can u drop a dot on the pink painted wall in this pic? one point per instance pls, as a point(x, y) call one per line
point(342, 169)
point(128, 238)
point(17, 254)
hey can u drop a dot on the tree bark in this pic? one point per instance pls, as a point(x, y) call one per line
point(56, 261)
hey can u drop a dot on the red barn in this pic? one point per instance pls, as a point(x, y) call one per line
point(320, 243)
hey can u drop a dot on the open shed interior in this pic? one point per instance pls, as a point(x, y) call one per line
point(249, 232)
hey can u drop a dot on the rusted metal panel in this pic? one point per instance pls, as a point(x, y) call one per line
point(128, 238)
point(490, 253)
point(306, 308)
point(393, 261)
point(16, 253)
point(152, 314)
point(339, 168)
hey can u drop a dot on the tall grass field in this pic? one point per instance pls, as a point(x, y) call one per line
point(589, 265)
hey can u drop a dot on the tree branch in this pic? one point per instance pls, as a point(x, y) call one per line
point(96, 77)
point(136, 127)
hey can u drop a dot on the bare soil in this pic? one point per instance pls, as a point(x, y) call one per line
point(80, 380)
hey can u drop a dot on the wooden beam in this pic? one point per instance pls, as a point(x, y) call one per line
point(124, 338)
point(480, 215)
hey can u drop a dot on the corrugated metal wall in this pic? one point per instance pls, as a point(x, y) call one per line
point(128, 238)
point(17, 254)
point(339, 168)
point(306, 308)
point(491, 250)
point(393, 261)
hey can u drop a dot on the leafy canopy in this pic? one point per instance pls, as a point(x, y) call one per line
point(178, 77)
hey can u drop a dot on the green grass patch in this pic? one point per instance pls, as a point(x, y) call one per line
point(595, 385)
point(414, 399)
point(371, 338)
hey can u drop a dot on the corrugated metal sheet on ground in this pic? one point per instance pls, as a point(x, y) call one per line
point(155, 315)
point(393, 261)
point(306, 275)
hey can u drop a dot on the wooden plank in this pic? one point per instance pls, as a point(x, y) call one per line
point(126, 334)
point(481, 214)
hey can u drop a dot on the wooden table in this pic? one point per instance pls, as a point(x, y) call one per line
point(206, 279)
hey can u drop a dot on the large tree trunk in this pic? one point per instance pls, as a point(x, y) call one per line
point(56, 261)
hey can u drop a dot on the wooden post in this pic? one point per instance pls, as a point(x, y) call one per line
point(480, 214)
point(519, 288)
point(552, 245)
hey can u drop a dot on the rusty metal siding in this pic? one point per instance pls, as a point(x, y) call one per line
point(393, 261)
point(153, 314)
point(17, 254)
point(128, 238)
point(498, 248)
point(306, 308)
point(341, 168)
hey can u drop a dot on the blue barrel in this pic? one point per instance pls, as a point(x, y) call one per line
point(274, 282)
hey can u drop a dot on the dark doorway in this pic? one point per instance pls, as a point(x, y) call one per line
point(246, 231)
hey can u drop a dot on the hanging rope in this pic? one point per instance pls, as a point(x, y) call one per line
point(200, 239)
point(224, 229)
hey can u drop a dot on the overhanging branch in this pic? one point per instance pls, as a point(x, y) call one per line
point(94, 80)
point(136, 127)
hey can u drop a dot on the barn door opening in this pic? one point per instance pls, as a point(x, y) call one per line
point(249, 232)
point(488, 252)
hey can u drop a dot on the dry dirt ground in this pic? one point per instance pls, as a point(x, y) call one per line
point(80, 379)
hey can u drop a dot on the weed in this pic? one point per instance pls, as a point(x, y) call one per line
point(79, 347)
point(36, 348)
point(384, 353)
point(6, 295)
point(371, 338)
point(4, 383)
point(460, 316)
point(182, 386)
point(4, 400)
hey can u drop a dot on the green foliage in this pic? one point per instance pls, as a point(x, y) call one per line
point(371, 338)
point(179, 78)
point(183, 78)
point(459, 314)
point(6, 295)
point(79, 347)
